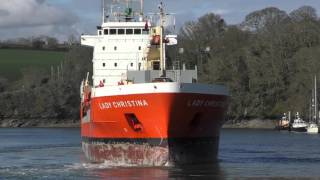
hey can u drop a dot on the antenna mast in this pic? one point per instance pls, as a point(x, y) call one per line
point(162, 51)
point(142, 7)
point(103, 11)
point(315, 100)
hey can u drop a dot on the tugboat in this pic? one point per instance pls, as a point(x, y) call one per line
point(138, 112)
point(283, 123)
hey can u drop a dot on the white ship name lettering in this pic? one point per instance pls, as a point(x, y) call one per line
point(123, 104)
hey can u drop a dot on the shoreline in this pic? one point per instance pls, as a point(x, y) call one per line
point(251, 124)
point(39, 123)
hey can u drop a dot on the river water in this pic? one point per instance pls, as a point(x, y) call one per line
point(56, 154)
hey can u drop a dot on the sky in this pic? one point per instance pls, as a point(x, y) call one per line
point(62, 18)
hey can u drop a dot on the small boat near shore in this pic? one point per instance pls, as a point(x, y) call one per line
point(312, 128)
point(283, 123)
point(298, 124)
point(313, 123)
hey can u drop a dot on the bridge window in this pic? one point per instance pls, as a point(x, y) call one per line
point(106, 31)
point(113, 31)
point(137, 31)
point(145, 32)
point(100, 33)
point(120, 31)
point(129, 31)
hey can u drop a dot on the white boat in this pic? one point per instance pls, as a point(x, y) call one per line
point(313, 126)
point(298, 124)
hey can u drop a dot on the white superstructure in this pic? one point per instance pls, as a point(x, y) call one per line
point(130, 48)
point(118, 47)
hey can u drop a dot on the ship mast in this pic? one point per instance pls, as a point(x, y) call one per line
point(103, 11)
point(142, 7)
point(162, 51)
point(315, 100)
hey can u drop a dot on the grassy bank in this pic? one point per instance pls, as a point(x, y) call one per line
point(12, 61)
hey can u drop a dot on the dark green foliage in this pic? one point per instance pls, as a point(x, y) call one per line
point(38, 43)
point(3, 84)
point(268, 62)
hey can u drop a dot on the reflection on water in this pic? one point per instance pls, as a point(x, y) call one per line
point(179, 173)
point(197, 172)
point(107, 171)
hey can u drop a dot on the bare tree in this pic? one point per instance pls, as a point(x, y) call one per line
point(304, 13)
point(257, 20)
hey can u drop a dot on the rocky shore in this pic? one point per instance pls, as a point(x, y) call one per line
point(38, 123)
point(251, 124)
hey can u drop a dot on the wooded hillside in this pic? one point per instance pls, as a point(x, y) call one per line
point(268, 63)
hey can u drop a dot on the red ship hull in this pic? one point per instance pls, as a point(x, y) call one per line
point(154, 129)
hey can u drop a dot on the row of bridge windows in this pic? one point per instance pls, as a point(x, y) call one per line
point(123, 31)
point(115, 48)
point(116, 64)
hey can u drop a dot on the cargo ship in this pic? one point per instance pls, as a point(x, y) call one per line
point(135, 110)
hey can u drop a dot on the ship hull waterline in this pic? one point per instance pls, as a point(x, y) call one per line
point(151, 152)
point(298, 129)
point(155, 129)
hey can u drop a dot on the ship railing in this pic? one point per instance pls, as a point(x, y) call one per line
point(148, 76)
